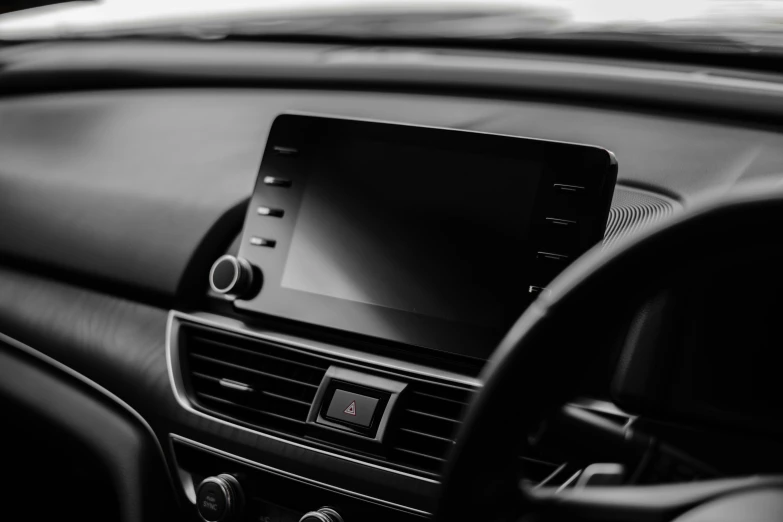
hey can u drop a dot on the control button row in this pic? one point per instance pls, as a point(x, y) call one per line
point(562, 236)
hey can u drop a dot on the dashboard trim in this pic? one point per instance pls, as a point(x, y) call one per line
point(42, 357)
point(28, 68)
point(271, 469)
point(177, 387)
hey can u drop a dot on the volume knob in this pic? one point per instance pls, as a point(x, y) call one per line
point(231, 275)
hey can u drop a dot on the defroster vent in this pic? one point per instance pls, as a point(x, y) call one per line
point(427, 425)
point(249, 381)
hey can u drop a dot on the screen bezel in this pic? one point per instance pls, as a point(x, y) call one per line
point(560, 162)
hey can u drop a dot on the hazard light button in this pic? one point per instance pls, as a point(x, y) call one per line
point(352, 408)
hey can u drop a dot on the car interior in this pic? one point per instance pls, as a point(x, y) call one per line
point(324, 279)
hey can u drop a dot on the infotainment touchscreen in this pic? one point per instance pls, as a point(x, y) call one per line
point(430, 237)
point(429, 231)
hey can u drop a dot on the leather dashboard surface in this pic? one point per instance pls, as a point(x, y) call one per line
point(125, 185)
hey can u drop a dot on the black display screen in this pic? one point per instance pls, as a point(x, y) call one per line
point(430, 231)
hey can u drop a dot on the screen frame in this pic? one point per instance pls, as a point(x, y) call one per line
point(299, 132)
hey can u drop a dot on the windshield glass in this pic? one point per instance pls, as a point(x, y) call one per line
point(748, 21)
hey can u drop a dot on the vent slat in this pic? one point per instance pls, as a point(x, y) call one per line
point(247, 408)
point(253, 353)
point(251, 370)
point(429, 395)
point(427, 435)
point(434, 416)
point(422, 455)
point(263, 392)
point(284, 398)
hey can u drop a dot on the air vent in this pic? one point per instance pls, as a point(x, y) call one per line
point(253, 382)
point(271, 387)
point(427, 426)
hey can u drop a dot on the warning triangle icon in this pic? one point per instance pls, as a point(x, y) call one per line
point(351, 409)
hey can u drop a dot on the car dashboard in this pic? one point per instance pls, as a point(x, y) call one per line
point(128, 170)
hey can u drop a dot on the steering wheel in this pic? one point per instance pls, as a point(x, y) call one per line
point(537, 369)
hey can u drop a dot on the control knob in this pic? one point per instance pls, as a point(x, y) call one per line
point(219, 499)
point(325, 514)
point(232, 276)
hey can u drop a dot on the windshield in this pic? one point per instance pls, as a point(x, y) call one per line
point(750, 22)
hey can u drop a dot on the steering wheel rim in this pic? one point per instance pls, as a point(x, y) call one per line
point(568, 322)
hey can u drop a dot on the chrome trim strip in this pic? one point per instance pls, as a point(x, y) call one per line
point(29, 350)
point(232, 326)
point(172, 361)
point(294, 476)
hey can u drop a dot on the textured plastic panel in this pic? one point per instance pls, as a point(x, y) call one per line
point(634, 210)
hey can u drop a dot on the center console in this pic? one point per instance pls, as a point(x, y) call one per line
point(361, 235)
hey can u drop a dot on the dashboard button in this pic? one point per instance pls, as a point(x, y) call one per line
point(548, 265)
point(568, 201)
point(219, 499)
point(352, 408)
point(561, 223)
point(552, 258)
point(538, 290)
point(274, 181)
point(211, 502)
point(261, 241)
point(562, 235)
point(286, 151)
point(568, 189)
point(271, 212)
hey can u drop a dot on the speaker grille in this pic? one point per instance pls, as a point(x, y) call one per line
point(633, 210)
